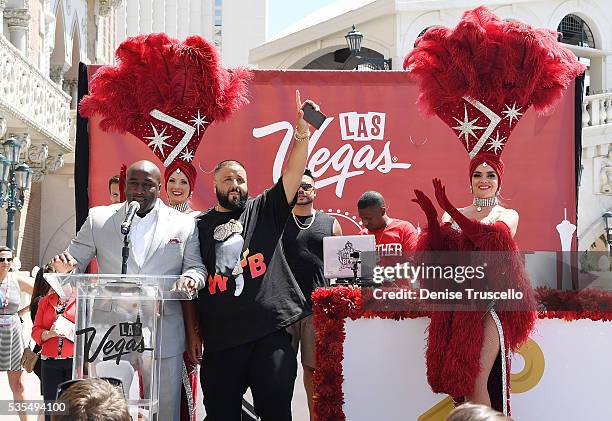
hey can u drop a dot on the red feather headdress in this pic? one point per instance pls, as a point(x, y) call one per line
point(166, 93)
point(481, 76)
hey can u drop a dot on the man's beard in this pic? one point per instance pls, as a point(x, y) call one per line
point(304, 200)
point(231, 205)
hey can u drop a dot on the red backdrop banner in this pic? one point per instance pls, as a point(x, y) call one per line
point(373, 139)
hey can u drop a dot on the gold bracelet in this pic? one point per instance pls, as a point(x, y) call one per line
point(299, 137)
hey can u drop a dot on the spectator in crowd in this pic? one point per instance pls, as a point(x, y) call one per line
point(93, 400)
point(11, 335)
point(41, 289)
point(53, 330)
point(113, 189)
point(473, 412)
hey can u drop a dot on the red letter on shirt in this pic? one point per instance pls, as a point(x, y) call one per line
point(217, 280)
point(257, 265)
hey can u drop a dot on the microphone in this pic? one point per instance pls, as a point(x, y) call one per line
point(133, 207)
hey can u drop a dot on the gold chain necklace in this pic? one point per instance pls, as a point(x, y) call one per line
point(301, 225)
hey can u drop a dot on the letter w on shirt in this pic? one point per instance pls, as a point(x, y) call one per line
point(219, 280)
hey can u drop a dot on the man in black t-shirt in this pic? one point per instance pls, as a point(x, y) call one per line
point(250, 295)
point(303, 246)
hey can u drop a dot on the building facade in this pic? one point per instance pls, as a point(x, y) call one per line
point(234, 26)
point(391, 27)
point(41, 45)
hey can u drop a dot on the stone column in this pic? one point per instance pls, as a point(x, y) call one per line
point(183, 17)
point(132, 18)
point(70, 87)
point(18, 24)
point(159, 15)
point(195, 16)
point(56, 73)
point(145, 16)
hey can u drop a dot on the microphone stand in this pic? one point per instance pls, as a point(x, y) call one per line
point(125, 253)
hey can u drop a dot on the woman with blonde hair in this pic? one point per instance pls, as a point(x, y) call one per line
point(11, 334)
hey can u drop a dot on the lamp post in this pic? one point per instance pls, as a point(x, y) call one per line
point(16, 179)
point(607, 217)
point(353, 40)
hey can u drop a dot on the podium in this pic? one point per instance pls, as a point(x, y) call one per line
point(118, 331)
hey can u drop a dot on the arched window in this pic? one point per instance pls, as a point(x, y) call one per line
point(575, 31)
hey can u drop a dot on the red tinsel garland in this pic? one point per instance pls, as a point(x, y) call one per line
point(332, 306)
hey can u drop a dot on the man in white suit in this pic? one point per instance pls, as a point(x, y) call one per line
point(163, 241)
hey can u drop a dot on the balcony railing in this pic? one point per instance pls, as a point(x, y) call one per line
point(32, 97)
point(597, 110)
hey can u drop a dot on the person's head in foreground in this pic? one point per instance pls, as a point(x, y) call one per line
point(93, 400)
point(473, 412)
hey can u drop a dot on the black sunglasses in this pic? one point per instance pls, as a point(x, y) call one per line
point(306, 186)
point(62, 387)
point(6, 259)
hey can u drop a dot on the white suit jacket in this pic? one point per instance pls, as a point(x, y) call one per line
point(174, 250)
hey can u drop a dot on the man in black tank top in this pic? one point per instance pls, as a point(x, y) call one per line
point(303, 247)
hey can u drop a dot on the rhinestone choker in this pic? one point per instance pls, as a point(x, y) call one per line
point(181, 207)
point(489, 201)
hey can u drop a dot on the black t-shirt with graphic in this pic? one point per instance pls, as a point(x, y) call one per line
point(235, 308)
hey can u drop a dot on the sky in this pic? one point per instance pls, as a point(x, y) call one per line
point(282, 13)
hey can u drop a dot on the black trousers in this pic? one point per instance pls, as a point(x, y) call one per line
point(53, 373)
point(268, 366)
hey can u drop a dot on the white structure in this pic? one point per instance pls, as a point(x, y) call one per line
point(41, 45)
point(390, 28)
point(235, 26)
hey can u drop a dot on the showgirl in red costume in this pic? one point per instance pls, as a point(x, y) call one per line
point(480, 78)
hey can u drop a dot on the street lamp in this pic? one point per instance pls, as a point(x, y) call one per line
point(16, 180)
point(353, 40)
point(607, 217)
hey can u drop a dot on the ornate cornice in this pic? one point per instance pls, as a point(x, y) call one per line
point(105, 6)
point(17, 17)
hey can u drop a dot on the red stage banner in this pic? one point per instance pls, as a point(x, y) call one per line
point(374, 139)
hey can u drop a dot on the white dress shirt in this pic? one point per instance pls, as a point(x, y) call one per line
point(141, 233)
